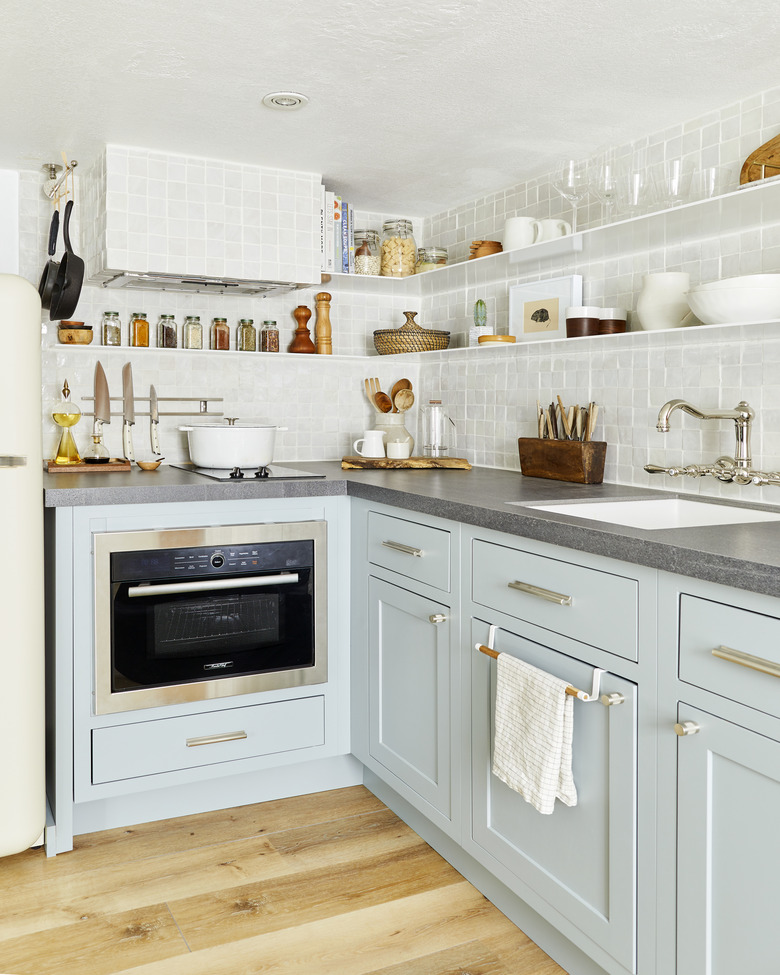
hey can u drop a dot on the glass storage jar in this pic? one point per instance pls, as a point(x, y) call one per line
point(367, 259)
point(398, 251)
point(167, 332)
point(192, 333)
point(246, 335)
point(430, 257)
point(139, 330)
point(111, 328)
point(269, 337)
point(220, 334)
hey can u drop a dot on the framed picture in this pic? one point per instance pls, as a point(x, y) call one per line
point(538, 311)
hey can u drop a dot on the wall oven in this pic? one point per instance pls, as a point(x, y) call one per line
point(199, 613)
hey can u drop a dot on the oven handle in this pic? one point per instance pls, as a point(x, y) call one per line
point(209, 585)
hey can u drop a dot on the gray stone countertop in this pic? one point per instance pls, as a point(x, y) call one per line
point(742, 556)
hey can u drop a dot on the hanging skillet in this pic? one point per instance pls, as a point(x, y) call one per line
point(67, 287)
point(49, 275)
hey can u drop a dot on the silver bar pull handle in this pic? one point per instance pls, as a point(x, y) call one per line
point(406, 549)
point(747, 660)
point(8, 460)
point(209, 585)
point(216, 739)
point(548, 594)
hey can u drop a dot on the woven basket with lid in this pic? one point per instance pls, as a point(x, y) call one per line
point(410, 337)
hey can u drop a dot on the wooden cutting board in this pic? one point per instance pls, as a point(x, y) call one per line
point(762, 163)
point(408, 463)
point(115, 464)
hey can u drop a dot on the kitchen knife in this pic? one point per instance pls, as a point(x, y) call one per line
point(154, 421)
point(102, 399)
point(128, 411)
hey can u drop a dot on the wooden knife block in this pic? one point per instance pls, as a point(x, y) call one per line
point(563, 460)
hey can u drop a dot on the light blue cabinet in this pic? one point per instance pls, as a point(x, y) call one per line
point(577, 866)
point(409, 691)
point(728, 848)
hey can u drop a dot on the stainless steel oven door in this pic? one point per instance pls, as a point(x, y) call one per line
point(108, 700)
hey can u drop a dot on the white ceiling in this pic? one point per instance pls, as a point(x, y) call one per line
point(414, 106)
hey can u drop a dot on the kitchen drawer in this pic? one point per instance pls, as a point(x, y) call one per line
point(709, 629)
point(169, 744)
point(416, 551)
point(603, 606)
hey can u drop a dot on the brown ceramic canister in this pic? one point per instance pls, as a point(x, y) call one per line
point(612, 321)
point(582, 320)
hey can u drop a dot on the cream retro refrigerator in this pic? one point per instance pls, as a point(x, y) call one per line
point(22, 760)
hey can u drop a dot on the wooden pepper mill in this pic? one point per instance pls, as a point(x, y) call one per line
point(302, 340)
point(322, 330)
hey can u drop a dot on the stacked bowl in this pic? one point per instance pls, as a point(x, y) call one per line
point(750, 298)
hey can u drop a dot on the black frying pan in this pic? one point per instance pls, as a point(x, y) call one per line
point(49, 275)
point(67, 287)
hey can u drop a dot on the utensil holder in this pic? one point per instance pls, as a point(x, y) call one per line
point(563, 460)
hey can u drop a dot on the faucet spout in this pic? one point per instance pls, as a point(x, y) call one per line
point(742, 415)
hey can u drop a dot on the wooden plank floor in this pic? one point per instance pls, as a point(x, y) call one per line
point(330, 882)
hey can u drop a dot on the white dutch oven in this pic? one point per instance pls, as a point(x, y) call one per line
point(231, 444)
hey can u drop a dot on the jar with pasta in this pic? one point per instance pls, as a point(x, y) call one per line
point(398, 251)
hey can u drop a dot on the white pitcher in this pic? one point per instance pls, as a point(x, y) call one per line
point(521, 232)
point(662, 302)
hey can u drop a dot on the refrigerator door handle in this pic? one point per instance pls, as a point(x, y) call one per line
point(7, 460)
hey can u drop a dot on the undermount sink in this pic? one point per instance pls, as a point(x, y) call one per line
point(657, 513)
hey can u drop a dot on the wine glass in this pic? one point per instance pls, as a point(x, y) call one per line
point(603, 183)
point(570, 179)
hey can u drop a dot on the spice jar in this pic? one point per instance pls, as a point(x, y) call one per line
point(246, 335)
point(269, 337)
point(111, 328)
point(367, 259)
point(220, 334)
point(430, 257)
point(139, 330)
point(166, 332)
point(192, 333)
point(398, 251)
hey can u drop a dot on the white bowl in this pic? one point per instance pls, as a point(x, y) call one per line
point(723, 305)
point(745, 281)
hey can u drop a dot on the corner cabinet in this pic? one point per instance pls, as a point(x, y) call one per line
point(404, 671)
point(720, 738)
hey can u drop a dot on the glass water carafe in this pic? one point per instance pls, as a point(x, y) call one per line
point(438, 430)
point(66, 415)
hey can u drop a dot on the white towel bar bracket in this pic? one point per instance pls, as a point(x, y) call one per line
point(489, 648)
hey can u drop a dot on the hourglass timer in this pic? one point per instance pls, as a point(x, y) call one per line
point(66, 415)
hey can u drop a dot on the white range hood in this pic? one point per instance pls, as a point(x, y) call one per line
point(154, 221)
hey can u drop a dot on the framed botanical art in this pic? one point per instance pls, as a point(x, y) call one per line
point(537, 311)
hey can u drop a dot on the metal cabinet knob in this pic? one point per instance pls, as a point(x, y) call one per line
point(683, 728)
point(437, 618)
point(609, 700)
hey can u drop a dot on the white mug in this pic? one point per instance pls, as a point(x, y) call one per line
point(373, 443)
point(399, 449)
point(520, 232)
point(550, 229)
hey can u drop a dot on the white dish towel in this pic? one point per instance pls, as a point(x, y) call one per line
point(534, 727)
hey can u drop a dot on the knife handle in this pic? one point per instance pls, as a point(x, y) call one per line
point(154, 437)
point(127, 441)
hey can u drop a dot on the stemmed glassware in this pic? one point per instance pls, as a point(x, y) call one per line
point(570, 179)
point(604, 184)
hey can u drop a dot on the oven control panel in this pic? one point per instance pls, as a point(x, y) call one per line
point(205, 562)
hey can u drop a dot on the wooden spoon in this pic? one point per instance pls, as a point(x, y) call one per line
point(383, 402)
point(401, 384)
point(404, 400)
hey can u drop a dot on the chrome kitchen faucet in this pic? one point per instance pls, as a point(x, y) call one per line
point(736, 468)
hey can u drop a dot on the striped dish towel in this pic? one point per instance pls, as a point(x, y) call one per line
point(534, 725)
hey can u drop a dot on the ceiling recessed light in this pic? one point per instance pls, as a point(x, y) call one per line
point(285, 101)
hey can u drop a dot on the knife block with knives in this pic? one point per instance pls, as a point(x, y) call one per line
point(564, 449)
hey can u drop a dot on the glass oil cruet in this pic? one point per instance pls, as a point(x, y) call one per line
point(66, 415)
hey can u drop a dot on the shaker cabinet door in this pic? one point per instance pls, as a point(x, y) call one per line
point(728, 848)
point(577, 866)
point(409, 694)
